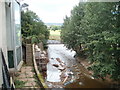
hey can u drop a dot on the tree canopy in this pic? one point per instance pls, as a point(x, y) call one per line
point(54, 27)
point(33, 29)
point(93, 29)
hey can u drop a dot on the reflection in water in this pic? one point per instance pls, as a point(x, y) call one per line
point(79, 79)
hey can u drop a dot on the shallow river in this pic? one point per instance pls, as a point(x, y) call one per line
point(79, 78)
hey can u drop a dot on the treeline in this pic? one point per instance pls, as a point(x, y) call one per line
point(93, 30)
point(33, 29)
point(54, 27)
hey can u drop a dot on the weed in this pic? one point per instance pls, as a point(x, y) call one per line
point(32, 70)
point(36, 80)
point(19, 84)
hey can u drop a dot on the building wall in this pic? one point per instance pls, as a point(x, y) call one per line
point(12, 47)
point(1, 10)
point(7, 33)
point(15, 20)
point(9, 27)
point(3, 41)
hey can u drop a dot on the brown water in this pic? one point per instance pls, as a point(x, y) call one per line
point(80, 79)
point(85, 80)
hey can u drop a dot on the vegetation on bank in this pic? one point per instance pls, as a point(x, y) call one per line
point(54, 27)
point(93, 30)
point(54, 35)
point(33, 29)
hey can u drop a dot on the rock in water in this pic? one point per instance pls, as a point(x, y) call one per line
point(55, 65)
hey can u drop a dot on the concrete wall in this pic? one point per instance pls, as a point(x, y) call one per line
point(3, 42)
point(3, 35)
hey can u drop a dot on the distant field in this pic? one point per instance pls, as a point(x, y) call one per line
point(54, 35)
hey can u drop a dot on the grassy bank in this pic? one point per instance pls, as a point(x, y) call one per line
point(54, 35)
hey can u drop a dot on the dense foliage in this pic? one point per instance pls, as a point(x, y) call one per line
point(93, 29)
point(33, 29)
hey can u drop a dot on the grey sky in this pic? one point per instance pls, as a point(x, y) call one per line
point(52, 10)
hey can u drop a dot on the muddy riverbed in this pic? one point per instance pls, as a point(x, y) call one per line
point(76, 77)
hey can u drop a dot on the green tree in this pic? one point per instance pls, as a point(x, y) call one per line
point(54, 27)
point(72, 30)
point(93, 29)
point(33, 29)
point(65, 31)
point(102, 39)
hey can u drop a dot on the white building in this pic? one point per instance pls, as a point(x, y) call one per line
point(10, 37)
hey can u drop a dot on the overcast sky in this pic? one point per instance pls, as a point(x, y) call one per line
point(52, 11)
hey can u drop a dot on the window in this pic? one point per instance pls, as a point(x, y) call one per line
point(17, 24)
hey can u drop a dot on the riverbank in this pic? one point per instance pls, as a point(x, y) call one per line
point(80, 77)
point(109, 82)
